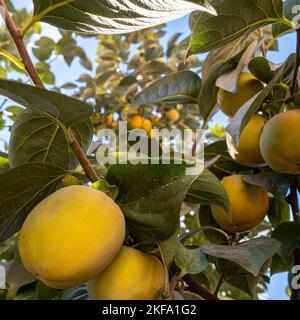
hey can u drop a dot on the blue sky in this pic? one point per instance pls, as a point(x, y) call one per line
point(287, 45)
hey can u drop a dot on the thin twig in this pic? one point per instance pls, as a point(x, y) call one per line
point(222, 278)
point(18, 40)
point(32, 72)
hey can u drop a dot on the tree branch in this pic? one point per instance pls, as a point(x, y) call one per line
point(222, 278)
point(198, 289)
point(18, 40)
point(81, 156)
point(31, 70)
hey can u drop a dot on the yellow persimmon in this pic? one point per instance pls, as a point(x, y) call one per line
point(247, 87)
point(249, 205)
point(132, 275)
point(247, 152)
point(71, 236)
point(279, 142)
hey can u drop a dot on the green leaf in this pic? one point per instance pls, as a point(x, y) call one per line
point(182, 87)
point(192, 261)
point(206, 220)
point(288, 233)
point(22, 188)
point(261, 69)
point(207, 99)
point(169, 247)
point(60, 108)
point(45, 293)
point(250, 255)
point(276, 183)
point(279, 212)
point(208, 190)
point(289, 12)
point(37, 138)
point(279, 265)
point(225, 162)
point(44, 70)
point(242, 117)
point(218, 56)
point(243, 280)
point(151, 196)
point(98, 16)
point(234, 20)
point(43, 48)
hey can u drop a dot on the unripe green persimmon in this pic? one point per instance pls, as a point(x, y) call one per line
point(279, 142)
point(247, 87)
point(249, 205)
point(247, 152)
point(132, 275)
point(71, 236)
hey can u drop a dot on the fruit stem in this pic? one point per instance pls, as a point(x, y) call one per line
point(17, 37)
point(294, 203)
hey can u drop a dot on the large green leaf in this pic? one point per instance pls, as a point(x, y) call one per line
point(169, 247)
point(250, 255)
point(279, 212)
point(181, 87)
point(207, 189)
point(192, 261)
point(234, 19)
point(36, 137)
point(206, 219)
point(241, 279)
point(276, 183)
point(62, 109)
point(109, 16)
point(151, 196)
point(288, 233)
point(22, 188)
point(290, 11)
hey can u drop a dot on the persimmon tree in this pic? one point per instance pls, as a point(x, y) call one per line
point(220, 234)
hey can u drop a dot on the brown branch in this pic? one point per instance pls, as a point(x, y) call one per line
point(31, 70)
point(294, 203)
point(198, 289)
point(18, 40)
point(81, 156)
point(222, 278)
